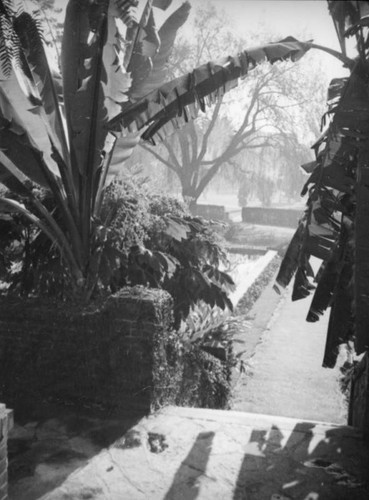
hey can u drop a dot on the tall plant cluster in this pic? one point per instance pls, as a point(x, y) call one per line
point(334, 227)
point(57, 161)
point(103, 67)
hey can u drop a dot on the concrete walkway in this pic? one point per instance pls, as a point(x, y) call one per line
point(285, 376)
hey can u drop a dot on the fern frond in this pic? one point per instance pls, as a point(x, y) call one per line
point(6, 8)
point(19, 30)
point(7, 44)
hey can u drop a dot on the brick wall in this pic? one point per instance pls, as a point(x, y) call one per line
point(5, 423)
point(108, 354)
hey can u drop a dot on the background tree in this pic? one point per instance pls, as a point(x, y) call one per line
point(265, 112)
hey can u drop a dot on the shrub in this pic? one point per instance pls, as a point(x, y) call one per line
point(206, 358)
point(170, 250)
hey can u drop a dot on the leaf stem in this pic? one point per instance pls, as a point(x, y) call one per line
point(338, 55)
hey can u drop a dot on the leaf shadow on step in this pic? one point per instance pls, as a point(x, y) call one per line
point(305, 463)
point(186, 482)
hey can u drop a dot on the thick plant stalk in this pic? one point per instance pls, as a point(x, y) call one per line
point(361, 269)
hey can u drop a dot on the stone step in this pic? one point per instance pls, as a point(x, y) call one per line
point(259, 421)
point(187, 453)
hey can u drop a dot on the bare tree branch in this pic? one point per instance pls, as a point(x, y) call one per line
point(209, 130)
point(194, 141)
point(184, 144)
point(157, 156)
point(258, 127)
point(172, 154)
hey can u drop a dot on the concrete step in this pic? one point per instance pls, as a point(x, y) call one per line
point(187, 453)
point(258, 421)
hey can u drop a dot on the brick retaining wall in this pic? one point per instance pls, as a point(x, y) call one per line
point(108, 354)
point(359, 397)
point(5, 424)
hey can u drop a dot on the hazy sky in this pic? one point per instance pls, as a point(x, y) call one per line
point(281, 18)
point(284, 16)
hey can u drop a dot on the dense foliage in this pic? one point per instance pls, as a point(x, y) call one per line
point(148, 239)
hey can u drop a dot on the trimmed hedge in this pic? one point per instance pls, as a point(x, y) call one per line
point(256, 289)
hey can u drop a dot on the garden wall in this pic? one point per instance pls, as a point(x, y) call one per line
point(271, 216)
point(214, 212)
point(110, 354)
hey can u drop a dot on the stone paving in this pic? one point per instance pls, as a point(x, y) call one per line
point(44, 451)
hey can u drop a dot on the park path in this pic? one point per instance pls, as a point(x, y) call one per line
point(284, 374)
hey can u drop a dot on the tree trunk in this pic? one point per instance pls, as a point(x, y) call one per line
point(188, 188)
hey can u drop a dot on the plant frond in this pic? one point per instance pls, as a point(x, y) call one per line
point(144, 84)
point(9, 44)
point(180, 100)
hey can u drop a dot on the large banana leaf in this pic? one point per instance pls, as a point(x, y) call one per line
point(145, 43)
point(327, 284)
point(184, 96)
point(340, 327)
point(23, 114)
point(291, 259)
point(143, 84)
point(147, 60)
point(37, 63)
point(30, 118)
point(94, 82)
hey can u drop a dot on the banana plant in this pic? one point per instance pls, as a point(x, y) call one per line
point(69, 153)
point(335, 225)
point(112, 86)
